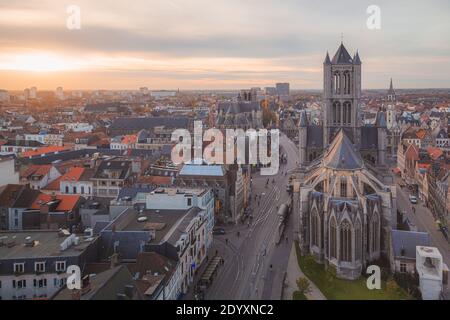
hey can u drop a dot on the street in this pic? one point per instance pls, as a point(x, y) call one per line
point(424, 221)
point(254, 265)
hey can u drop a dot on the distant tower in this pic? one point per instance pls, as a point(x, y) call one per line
point(391, 97)
point(380, 123)
point(390, 109)
point(341, 95)
point(302, 137)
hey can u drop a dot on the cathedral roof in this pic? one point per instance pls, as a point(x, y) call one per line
point(369, 137)
point(342, 56)
point(342, 154)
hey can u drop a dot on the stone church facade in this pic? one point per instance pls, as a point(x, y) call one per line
point(341, 110)
point(345, 207)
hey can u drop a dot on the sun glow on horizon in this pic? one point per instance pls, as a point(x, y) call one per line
point(39, 62)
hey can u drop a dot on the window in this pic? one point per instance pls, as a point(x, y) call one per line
point(60, 266)
point(67, 189)
point(346, 241)
point(358, 241)
point(347, 113)
point(315, 229)
point(39, 266)
point(333, 238)
point(19, 267)
point(82, 189)
point(375, 233)
point(403, 267)
point(74, 189)
point(189, 201)
point(41, 283)
point(343, 187)
point(19, 284)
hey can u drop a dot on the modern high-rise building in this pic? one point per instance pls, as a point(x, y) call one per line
point(59, 93)
point(282, 88)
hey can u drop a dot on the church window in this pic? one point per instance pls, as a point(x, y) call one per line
point(358, 241)
point(333, 238)
point(343, 187)
point(347, 117)
point(315, 229)
point(337, 83)
point(336, 113)
point(375, 233)
point(346, 241)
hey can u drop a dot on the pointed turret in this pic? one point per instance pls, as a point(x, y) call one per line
point(327, 59)
point(356, 59)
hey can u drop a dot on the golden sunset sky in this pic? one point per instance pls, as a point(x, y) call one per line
point(218, 44)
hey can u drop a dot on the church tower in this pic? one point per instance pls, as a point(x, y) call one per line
point(341, 96)
point(390, 109)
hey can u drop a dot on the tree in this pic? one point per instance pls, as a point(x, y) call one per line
point(303, 285)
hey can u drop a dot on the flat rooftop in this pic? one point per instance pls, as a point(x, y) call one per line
point(161, 221)
point(47, 244)
point(174, 191)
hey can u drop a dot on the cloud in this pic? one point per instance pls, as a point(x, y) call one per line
point(285, 39)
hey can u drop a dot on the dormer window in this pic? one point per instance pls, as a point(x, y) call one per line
point(19, 267)
point(39, 266)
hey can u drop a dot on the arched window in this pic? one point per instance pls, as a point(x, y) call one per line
point(358, 241)
point(333, 240)
point(347, 110)
point(346, 241)
point(343, 187)
point(347, 82)
point(315, 225)
point(337, 83)
point(336, 113)
point(375, 233)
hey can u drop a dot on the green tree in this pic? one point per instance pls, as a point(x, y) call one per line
point(303, 285)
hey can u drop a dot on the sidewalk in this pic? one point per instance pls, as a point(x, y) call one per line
point(293, 273)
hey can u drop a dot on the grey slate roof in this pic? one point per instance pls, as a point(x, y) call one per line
point(342, 154)
point(407, 241)
point(315, 137)
point(342, 56)
point(148, 123)
point(369, 138)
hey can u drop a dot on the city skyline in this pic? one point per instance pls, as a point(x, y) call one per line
point(222, 46)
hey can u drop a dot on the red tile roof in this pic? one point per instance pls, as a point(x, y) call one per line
point(39, 170)
point(54, 185)
point(73, 174)
point(67, 202)
point(43, 150)
point(434, 153)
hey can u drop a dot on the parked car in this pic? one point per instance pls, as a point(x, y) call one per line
point(218, 231)
point(413, 199)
